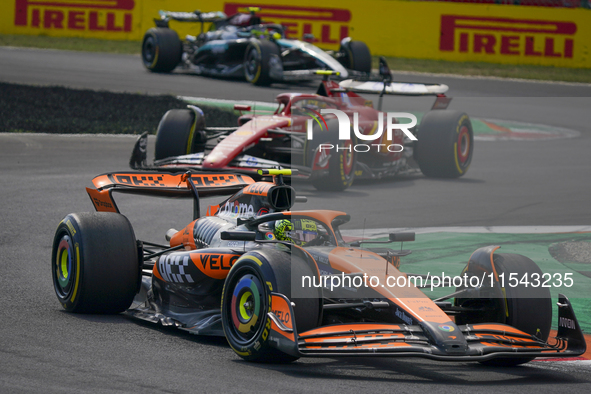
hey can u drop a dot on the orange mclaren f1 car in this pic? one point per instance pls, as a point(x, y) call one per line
point(262, 275)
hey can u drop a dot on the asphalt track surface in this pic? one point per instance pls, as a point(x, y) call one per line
point(43, 349)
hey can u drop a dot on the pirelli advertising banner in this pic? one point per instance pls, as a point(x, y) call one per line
point(428, 30)
point(113, 19)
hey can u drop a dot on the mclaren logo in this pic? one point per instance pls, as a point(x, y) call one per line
point(507, 36)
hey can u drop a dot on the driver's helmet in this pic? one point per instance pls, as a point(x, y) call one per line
point(298, 231)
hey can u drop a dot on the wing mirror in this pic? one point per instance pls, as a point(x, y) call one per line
point(241, 107)
point(401, 237)
point(238, 235)
point(309, 38)
point(392, 237)
point(384, 70)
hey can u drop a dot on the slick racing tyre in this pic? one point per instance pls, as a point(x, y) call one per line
point(332, 169)
point(355, 55)
point(161, 50)
point(257, 61)
point(246, 300)
point(445, 144)
point(94, 264)
point(338, 167)
point(180, 132)
point(528, 308)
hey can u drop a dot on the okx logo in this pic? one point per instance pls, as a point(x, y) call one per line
point(367, 130)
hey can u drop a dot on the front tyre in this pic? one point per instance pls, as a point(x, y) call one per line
point(339, 168)
point(524, 307)
point(445, 144)
point(257, 61)
point(332, 161)
point(180, 132)
point(355, 55)
point(246, 300)
point(162, 49)
point(94, 265)
point(245, 305)
point(529, 308)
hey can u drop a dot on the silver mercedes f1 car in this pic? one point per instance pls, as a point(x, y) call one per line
point(243, 46)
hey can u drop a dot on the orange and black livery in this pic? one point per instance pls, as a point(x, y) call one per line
point(263, 276)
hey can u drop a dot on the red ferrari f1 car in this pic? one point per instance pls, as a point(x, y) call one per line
point(258, 273)
point(305, 133)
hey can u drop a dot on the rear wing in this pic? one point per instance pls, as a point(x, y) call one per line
point(387, 86)
point(164, 184)
point(398, 88)
point(195, 16)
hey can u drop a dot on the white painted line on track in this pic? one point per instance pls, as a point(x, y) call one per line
point(577, 360)
point(419, 73)
point(519, 131)
point(561, 365)
point(68, 135)
point(491, 78)
point(383, 232)
point(223, 101)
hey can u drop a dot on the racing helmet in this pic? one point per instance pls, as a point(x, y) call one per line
point(297, 231)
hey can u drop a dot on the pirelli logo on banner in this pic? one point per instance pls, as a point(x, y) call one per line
point(90, 15)
point(328, 25)
point(507, 36)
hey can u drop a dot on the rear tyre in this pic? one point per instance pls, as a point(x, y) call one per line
point(445, 144)
point(529, 308)
point(180, 132)
point(246, 301)
point(257, 61)
point(356, 56)
point(161, 50)
point(94, 265)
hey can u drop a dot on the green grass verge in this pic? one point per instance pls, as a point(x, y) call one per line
point(448, 252)
point(401, 64)
point(52, 109)
point(545, 73)
point(71, 43)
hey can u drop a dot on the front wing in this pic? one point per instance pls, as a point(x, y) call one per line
point(485, 341)
point(245, 164)
point(249, 165)
point(242, 164)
